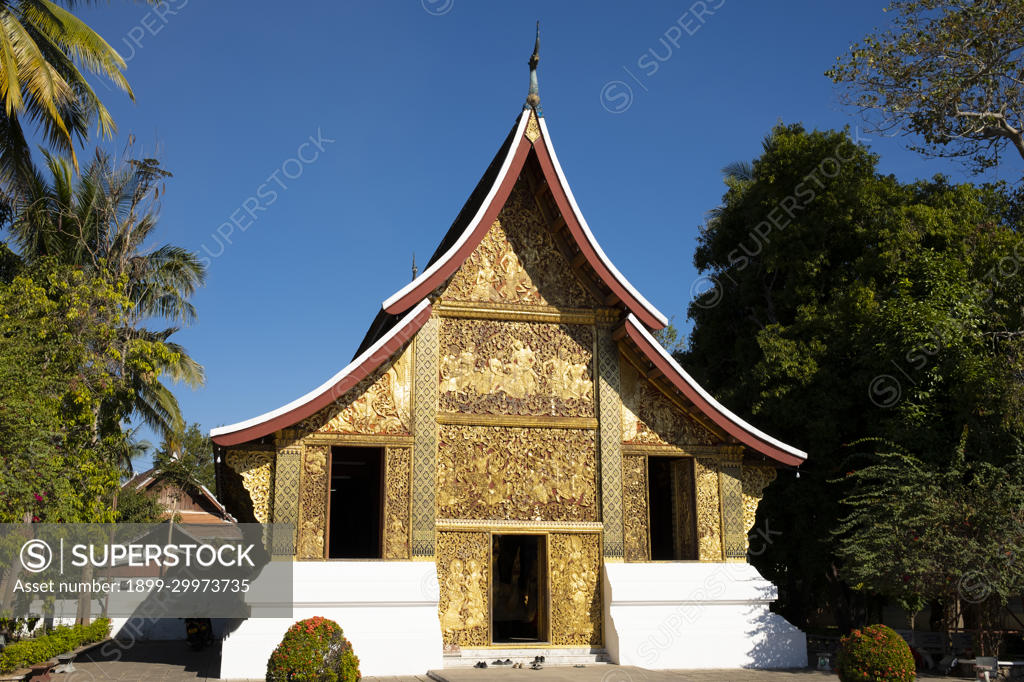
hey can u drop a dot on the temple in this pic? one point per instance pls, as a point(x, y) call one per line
point(512, 464)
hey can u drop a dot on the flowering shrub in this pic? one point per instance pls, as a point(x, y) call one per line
point(875, 654)
point(314, 649)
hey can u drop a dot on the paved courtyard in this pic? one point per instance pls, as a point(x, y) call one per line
point(175, 662)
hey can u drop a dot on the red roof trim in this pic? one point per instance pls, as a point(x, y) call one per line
point(368, 364)
point(733, 425)
point(569, 215)
point(454, 261)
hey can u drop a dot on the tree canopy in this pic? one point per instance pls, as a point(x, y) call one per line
point(844, 305)
point(948, 71)
point(62, 392)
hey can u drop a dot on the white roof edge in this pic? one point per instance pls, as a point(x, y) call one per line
point(749, 428)
point(549, 145)
point(324, 387)
point(450, 253)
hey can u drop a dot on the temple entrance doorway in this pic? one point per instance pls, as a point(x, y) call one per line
point(519, 591)
point(673, 512)
point(357, 487)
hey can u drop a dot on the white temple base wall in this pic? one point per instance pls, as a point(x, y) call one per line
point(696, 615)
point(388, 610)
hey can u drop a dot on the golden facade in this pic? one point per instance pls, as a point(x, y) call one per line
point(515, 410)
point(516, 474)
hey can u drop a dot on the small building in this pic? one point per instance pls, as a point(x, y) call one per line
point(512, 465)
point(197, 505)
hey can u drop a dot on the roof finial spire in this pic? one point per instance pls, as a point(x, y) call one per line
point(533, 99)
point(415, 270)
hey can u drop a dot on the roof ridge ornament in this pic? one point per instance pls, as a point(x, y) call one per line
point(533, 99)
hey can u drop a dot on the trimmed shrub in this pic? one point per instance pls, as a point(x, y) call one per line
point(60, 640)
point(314, 649)
point(874, 654)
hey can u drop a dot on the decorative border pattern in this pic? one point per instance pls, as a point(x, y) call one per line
point(424, 452)
point(500, 526)
point(521, 421)
point(732, 510)
point(520, 312)
point(610, 448)
point(286, 495)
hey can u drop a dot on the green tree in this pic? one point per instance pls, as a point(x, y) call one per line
point(134, 506)
point(187, 457)
point(918, 532)
point(948, 71)
point(185, 461)
point(62, 393)
point(843, 305)
point(103, 220)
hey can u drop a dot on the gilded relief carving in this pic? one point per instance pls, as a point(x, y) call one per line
point(256, 470)
point(313, 502)
point(532, 128)
point(380, 404)
point(755, 480)
point(709, 515)
point(576, 614)
point(635, 511)
point(516, 368)
point(397, 497)
point(463, 572)
point(649, 417)
point(511, 473)
point(517, 261)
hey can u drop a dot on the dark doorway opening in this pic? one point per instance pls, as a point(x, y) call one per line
point(520, 588)
point(673, 511)
point(355, 503)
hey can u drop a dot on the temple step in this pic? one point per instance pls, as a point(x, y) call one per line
point(467, 658)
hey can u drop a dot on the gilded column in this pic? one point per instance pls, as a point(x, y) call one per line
point(610, 450)
point(397, 479)
point(734, 537)
point(313, 502)
point(424, 451)
point(635, 505)
point(709, 509)
point(286, 494)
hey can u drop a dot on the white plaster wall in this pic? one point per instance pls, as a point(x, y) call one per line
point(696, 615)
point(388, 610)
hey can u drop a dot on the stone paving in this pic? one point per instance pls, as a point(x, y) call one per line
point(176, 662)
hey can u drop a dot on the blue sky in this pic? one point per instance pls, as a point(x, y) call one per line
point(406, 102)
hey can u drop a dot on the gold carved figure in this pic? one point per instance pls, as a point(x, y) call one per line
point(649, 417)
point(513, 473)
point(463, 575)
point(518, 262)
point(380, 404)
point(516, 368)
point(576, 589)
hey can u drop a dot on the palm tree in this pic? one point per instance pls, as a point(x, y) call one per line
point(42, 46)
point(103, 220)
